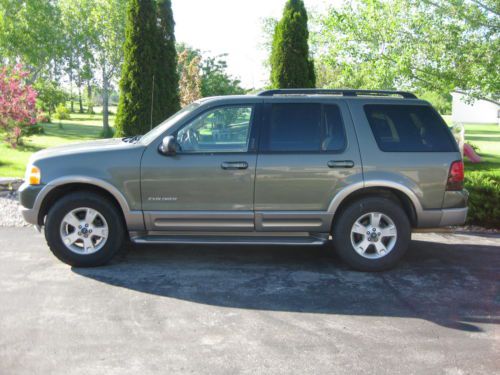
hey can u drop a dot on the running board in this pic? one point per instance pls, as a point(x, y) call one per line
point(231, 240)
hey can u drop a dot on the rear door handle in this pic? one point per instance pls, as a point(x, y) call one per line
point(340, 164)
point(234, 165)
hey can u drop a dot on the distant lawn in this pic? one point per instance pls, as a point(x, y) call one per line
point(487, 138)
point(81, 127)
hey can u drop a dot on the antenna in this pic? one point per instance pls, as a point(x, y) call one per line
point(152, 102)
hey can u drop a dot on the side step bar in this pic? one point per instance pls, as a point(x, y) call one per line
point(231, 240)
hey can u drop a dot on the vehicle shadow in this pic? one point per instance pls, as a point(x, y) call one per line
point(455, 286)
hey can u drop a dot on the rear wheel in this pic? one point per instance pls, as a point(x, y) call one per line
point(372, 234)
point(84, 229)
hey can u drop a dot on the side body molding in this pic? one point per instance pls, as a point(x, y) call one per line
point(133, 218)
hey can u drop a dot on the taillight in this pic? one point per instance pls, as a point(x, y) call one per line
point(456, 176)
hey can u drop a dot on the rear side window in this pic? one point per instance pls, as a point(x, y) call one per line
point(302, 127)
point(409, 128)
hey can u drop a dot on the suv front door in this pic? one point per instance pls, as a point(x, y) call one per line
point(209, 184)
point(308, 152)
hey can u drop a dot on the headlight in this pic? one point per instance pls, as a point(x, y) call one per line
point(33, 175)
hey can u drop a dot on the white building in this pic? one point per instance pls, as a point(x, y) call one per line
point(482, 111)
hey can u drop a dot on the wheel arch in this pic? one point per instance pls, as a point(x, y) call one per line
point(56, 189)
point(399, 193)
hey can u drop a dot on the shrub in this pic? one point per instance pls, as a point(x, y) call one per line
point(17, 104)
point(62, 113)
point(109, 133)
point(484, 198)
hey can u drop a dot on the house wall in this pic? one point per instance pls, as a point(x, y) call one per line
point(481, 111)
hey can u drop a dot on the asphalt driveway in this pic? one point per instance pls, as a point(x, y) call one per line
point(206, 309)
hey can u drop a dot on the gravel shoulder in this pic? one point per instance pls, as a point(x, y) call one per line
point(10, 216)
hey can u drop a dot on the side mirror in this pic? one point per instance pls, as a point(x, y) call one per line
point(168, 146)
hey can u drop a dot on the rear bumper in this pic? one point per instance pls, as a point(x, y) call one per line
point(454, 211)
point(453, 216)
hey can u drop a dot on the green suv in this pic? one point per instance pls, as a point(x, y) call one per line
point(355, 169)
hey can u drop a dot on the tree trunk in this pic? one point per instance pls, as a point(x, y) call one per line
point(71, 93)
point(105, 103)
point(80, 99)
point(90, 107)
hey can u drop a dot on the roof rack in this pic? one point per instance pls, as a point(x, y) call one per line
point(343, 92)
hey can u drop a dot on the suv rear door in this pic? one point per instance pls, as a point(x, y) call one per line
point(308, 151)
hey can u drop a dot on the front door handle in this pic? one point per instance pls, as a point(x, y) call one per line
point(234, 165)
point(340, 164)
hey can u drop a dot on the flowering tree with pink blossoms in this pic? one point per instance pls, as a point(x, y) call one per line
point(17, 104)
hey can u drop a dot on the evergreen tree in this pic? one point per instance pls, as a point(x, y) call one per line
point(166, 96)
point(136, 84)
point(291, 66)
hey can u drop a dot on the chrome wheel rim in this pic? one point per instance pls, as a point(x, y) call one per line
point(373, 235)
point(84, 231)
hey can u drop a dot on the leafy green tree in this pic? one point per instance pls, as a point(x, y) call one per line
point(426, 45)
point(209, 78)
point(30, 31)
point(50, 95)
point(77, 23)
point(136, 85)
point(166, 83)
point(108, 18)
point(291, 65)
point(215, 80)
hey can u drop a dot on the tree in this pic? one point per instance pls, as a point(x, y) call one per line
point(30, 31)
point(108, 19)
point(190, 78)
point(17, 103)
point(49, 95)
point(426, 45)
point(215, 79)
point(291, 65)
point(136, 85)
point(166, 84)
point(78, 23)
point(210, 76)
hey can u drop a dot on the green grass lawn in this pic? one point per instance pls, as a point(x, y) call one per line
point(487, 138)
point(80, 127)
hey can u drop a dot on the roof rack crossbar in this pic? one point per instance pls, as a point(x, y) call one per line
point(343, 92)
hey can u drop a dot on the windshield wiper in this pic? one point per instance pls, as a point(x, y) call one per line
point(132, 139)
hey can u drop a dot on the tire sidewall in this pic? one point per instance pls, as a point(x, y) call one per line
point(98, 203)
point(342, 233)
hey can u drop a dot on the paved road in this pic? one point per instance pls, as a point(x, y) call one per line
point(250, 310)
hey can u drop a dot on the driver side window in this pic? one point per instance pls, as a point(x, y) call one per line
point(224, 129)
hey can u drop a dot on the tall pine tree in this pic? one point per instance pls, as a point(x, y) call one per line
point(136, 84)
point(291, 66)
point(166, 96)
point(149, 84)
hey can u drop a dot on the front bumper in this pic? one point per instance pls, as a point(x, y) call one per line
point(27, 198)
point(29, 215)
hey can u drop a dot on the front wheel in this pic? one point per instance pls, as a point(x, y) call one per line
point(84, 229)
point(372, 234)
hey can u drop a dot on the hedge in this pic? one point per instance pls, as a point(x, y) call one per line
point(484, 198)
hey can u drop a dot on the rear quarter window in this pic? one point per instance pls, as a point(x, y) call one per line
point(409, 128)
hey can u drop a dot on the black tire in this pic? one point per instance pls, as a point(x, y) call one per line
point(116, 231)
point(342, 233)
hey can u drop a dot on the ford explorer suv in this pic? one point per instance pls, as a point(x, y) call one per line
point(356, 170)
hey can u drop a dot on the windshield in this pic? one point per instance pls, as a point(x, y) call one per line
point(158, 130)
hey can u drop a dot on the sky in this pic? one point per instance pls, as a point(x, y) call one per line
point(233, 27)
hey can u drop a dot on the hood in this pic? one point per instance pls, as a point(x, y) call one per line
point(101, 145)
